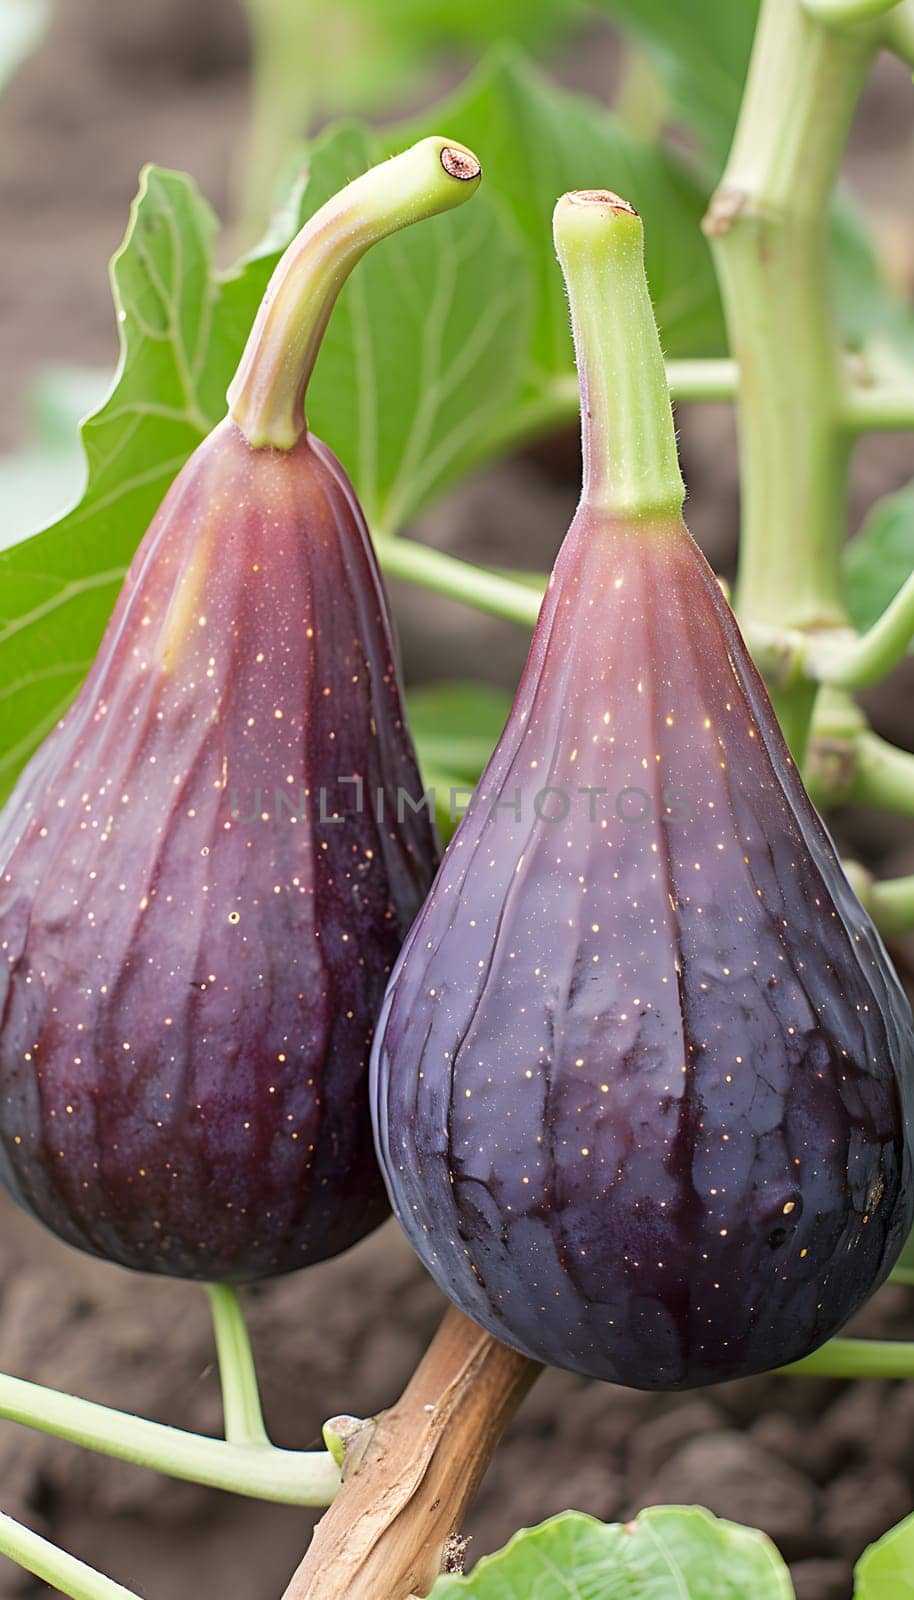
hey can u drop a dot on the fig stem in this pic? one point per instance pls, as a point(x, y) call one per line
point(237, 1374)
point(266, 396)
point(631, 468)
point(65, 1573)
point(856, 1358)
point(260, 1472)
point(384, 1536)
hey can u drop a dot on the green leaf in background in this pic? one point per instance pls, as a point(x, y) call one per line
point(700, 50)
point(424, 351)
point(536, 141)
point(885, 1571)
point(22, 27)
point(667, 1553)
point(881, 557)
point(456, 726)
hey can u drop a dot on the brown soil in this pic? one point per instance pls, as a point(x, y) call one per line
point(823, 1466)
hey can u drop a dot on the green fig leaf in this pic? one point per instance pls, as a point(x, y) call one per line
point(885, 1571)
point(700, 51)
point(881, 557)
point(668, 1551)
point(536, 141)
point(456, 726)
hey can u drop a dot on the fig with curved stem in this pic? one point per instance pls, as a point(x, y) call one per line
point(642, 1082)
point(208, 868)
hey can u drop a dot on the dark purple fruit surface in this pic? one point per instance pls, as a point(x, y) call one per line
point(197, 917)
point(643, 1079)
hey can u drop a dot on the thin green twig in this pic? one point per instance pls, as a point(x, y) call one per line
point(856, 1358)
point(260, 1472)
point(240, 1393)
point(63, 1572)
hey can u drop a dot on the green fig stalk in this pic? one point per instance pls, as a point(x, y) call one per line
point(266, 396)
point(631, 468)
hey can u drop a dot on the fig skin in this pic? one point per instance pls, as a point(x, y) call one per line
point(642, 1088)
point(188, 991)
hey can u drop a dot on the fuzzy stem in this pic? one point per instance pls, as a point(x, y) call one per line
point(768, 225)
point(384, 1536)
point(266, 396)
point(237, 1375)
point(63, 1572)
point(261, 1472)
point(631, 468)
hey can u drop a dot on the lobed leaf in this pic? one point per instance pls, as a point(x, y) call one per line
point(667, 1553)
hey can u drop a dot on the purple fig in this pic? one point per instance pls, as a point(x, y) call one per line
point(207, 870)
point(642, 1081)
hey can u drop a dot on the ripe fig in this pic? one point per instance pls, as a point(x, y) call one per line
point(642, 1080)
point(208, 868)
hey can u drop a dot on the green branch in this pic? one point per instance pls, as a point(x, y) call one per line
point(854, 663)
point(883, 776)
point(64, 1573)
point(856, 1358)
point(889, 901)
point(260, 1472)
point(459, 580)
point(237, 1375)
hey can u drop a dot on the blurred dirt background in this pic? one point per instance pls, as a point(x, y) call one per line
point(824, 1467)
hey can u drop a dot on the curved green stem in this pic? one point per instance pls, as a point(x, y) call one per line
point(856, 1358)
point(883, 776)
point(64, 1573)
point(261, 1472)
point(903, 1275)
point(237, 1375)
point(266, 395)
point(631, 467)
point(854, 663)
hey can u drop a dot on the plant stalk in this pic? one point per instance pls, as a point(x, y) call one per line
point(237, 1375)
point(266, 396)
point(768, 226)
point(261, 1472)
point(64, 1573)
point(631, 468)
point(856, 1358)
point(384, 1536)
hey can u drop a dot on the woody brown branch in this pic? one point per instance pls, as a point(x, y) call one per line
point(384, 1536)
